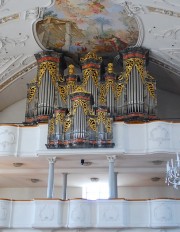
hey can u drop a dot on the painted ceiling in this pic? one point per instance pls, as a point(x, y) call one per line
point(75, 27)
point(79, 26)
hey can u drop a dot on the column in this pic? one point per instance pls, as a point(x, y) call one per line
point(64, 186)
point(112, 189)
point(115, 183)
point(50, 186)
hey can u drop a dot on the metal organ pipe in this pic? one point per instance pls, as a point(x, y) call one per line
point(133, 100)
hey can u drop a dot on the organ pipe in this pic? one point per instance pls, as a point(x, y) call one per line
point(136, 92)
point(80, 112)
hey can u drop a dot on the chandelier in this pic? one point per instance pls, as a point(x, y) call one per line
point(173, 172)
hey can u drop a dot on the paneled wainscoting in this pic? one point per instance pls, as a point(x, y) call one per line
point(129, 215)
point(143, 138)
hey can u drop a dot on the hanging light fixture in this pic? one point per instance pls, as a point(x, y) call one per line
point(173, 172)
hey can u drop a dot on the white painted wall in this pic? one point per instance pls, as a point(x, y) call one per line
point(93, 230)
point(31, 193)
point(168, 107)
point(150, 192)
point(14, 113)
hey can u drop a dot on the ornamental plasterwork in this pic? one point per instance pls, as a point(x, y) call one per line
point(163, 11)
point(2, 3)
point(4, 208)
point(171, 63)
point(173, 34)
point(163, 213)
point(172, 56)
point(163, 63)
point(6, 43)
point(27, 60)
point(172, 2)
point(34, 13)
point(78, 213)
point(5, 63)
point(111, 214)
point(6, 60)
point(14, 63)
point(174, 53)
point(134, 8)
point(17, 75)
point(46, 213)
point(7, 138)
point(9, 18)
point(159, 134)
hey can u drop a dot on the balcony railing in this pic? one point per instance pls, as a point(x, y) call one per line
point(144, 138)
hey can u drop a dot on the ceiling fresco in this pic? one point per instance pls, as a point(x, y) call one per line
point(79, 26)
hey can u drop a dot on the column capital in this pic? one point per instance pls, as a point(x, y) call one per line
point(51, 160)
point(111, 158)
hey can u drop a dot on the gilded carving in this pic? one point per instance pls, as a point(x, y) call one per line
point(31, 92)
point(101, 117)
point(110, 84)
point(92, 124)
point(119, 89)
point(51, 67)
point(91, 55)
point(102, 95)
point(59, 118)
point(67, 124)
point(108, 125)
point(90, 73)
point(139, 64)
point(51, 126)
point(63, 92)
point(134, 62)
point(81, 103)
point(71, 70)
point(149, 82)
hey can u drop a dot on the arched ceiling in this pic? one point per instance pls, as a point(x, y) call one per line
point(158, 25)
point(157, 21)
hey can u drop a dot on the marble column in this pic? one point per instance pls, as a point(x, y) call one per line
point(112, 188)
point(115, 183)
point(64, 186)
point(50, 186)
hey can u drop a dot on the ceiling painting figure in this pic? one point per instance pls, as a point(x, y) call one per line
point(80, 26)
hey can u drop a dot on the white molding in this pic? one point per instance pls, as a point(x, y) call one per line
point(86, 214)
point(145, 138)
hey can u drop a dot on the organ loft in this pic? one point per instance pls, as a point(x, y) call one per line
point(80, 109)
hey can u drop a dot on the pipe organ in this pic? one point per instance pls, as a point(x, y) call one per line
point(42, 93)
point(107, 90)
point(80, 112)
point(136, 89)
point(91, 70)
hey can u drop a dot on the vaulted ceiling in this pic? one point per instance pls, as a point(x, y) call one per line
point(153, 24)
point(156, 22)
